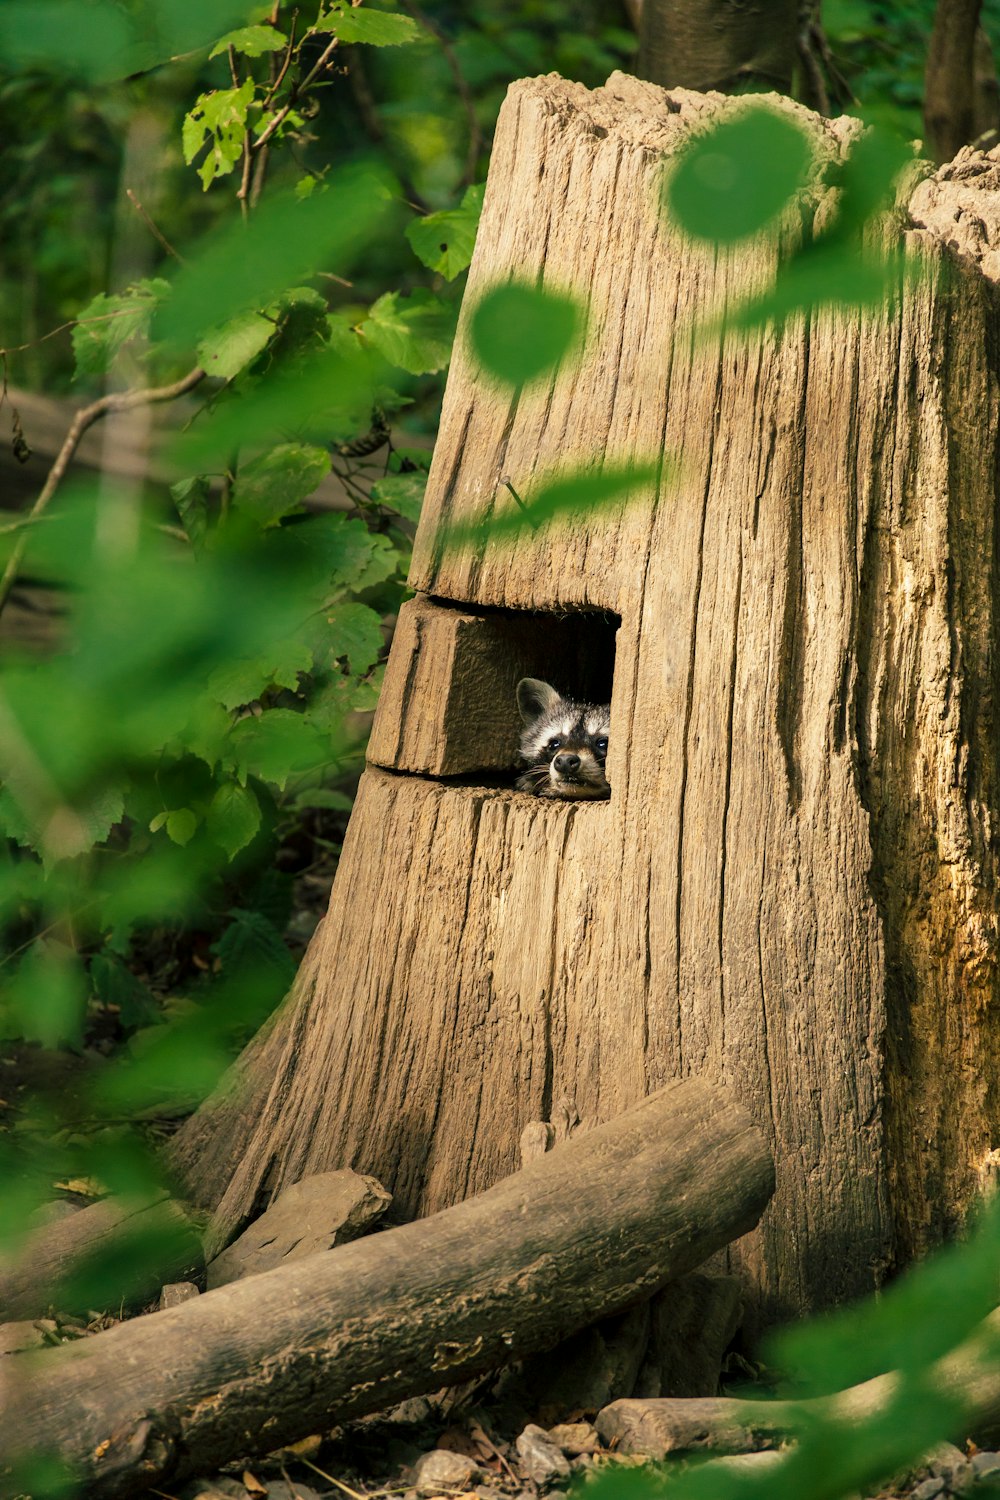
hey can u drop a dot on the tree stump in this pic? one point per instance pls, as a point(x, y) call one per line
point(792, 889)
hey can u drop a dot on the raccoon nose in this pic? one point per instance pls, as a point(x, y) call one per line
point(567, 763)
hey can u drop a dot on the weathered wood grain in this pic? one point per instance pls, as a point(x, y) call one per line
point(600, 1220)
point(792, 889)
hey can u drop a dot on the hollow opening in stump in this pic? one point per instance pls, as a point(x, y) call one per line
point(451, 712)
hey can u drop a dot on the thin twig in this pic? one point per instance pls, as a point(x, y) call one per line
point(86, 417)
point(329, 1477)
point(122, 312)
point(461, 87)
point(297, 90)
point(279, 80)
point(154, 230)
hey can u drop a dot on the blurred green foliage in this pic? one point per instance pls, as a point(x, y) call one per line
point(313, 222)
point(301, 209)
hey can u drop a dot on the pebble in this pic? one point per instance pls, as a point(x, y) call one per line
point(575, 1438)
point(176, 1292)
point(985, 1462)
point(17, 1336)
point(443, 1470)
point(928, 1489)
point(541, 1459)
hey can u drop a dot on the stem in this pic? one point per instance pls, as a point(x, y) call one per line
point(86, 417)
point(153, 229)
point(298, 89)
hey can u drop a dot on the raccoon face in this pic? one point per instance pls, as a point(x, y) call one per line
point(564, 744)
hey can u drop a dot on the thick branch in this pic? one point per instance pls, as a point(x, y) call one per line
point(86, 417)
point(970, 1375)
point(600, 1221)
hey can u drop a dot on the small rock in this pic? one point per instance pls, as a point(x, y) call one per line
point(985, 1462)
point(575, 1438)
point(928, 1489)
point(281, 1489)
point(219, 1487)
point(176, 1292)
point(541, 1459)
point(17, 1336)
point(582, 1461)
point(945, 1459)
point(315, 1214)
point(443, 1470)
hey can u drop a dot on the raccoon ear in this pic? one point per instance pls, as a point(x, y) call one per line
point(535, 698)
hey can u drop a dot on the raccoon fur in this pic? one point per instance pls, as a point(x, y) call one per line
point(564, 744)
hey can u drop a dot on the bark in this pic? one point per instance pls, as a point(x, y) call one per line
point(792, 888)
point(970, 1374)
point(719, 44)
point(36, 1278)
point(598, 1222)
point(950, 78)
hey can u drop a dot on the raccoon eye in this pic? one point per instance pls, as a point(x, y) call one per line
point(552, 747)
point(601, 744)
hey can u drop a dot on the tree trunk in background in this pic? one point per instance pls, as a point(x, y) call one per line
point(949, 81)
point(719, 44)
point(792, 889)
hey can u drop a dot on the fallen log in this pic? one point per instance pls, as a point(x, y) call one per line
point(970, 1373)
point(604, 1219)
point(57, 1256)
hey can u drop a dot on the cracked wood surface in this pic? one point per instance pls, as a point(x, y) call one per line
point(792, 887)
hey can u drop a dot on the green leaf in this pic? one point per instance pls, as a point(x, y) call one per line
point(274, 745)
point(191, 496)
point(104, 41)
point(736, 178)
point(108, 323)
point(46, 1000)
point(403, 493)
point(81, 824)
point(248, 266)
point(323, 797)
point(221, 118)
point(114, 984)
point(444, 241)
point(233, 817)
point(868, 176)
point(414, 332)
point(276, 483)
point(251, 41)
point(239, 681)
point(355, 632)
point(250, 942)
point(181, 824)
point(91, 39)
point(378, 28)
point(521, 332)
point(227, 350)
point(288, 660)
point(568, 497)
point(243, 680)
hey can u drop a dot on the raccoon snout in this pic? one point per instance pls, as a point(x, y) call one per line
point(566, 764)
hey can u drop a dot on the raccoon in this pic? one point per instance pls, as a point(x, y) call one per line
point(563, 745)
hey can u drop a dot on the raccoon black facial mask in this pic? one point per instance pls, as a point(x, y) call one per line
point(563, 745)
